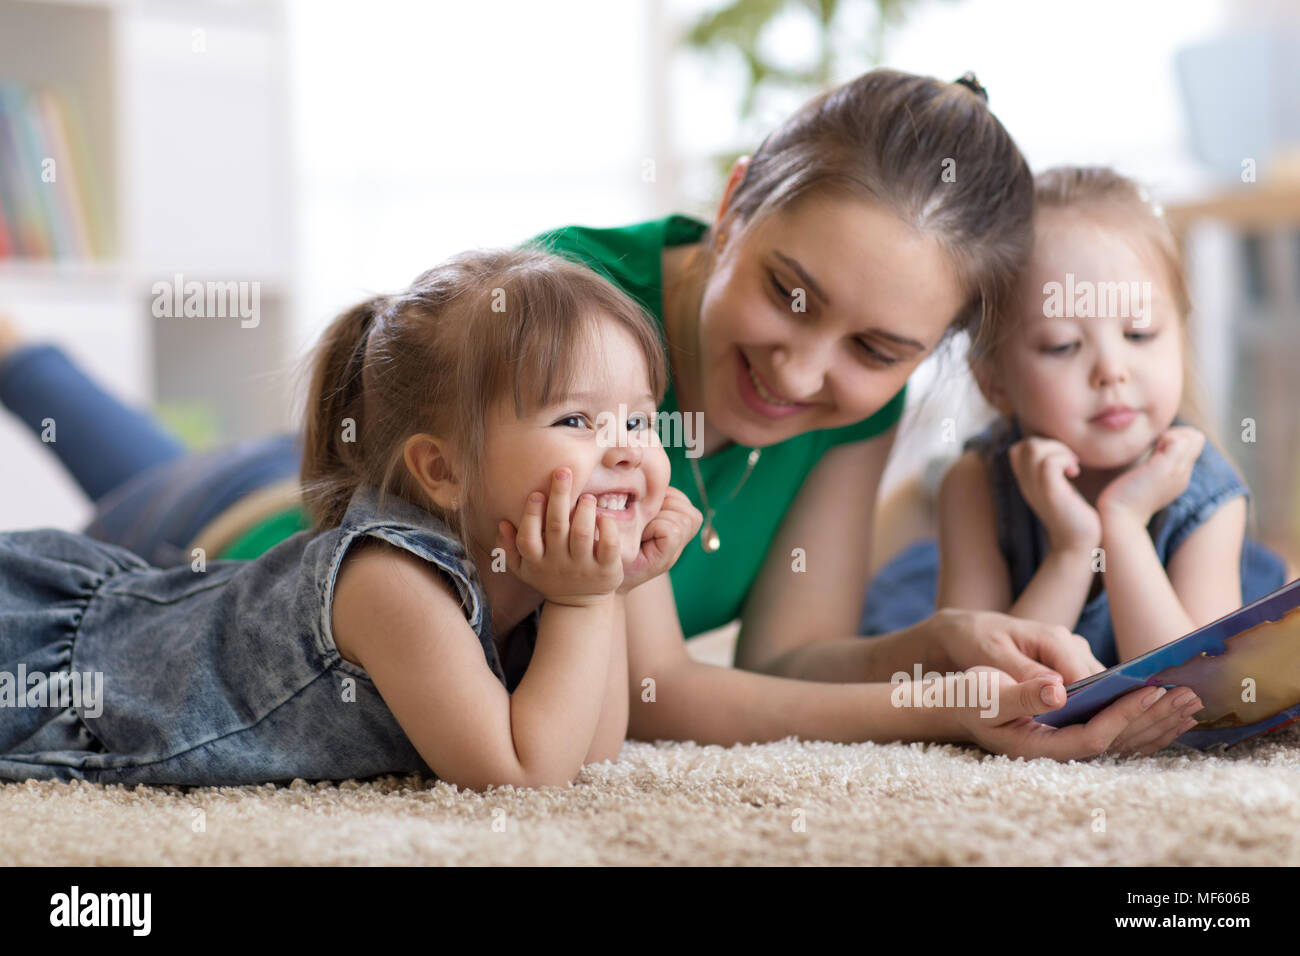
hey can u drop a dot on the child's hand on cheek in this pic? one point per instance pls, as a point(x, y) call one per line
point(564, 563)
point(1043, 467)
point(663, 539)
point(1144, 489)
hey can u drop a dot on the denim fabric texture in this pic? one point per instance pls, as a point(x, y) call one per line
point(218, 677)
point(151, 495)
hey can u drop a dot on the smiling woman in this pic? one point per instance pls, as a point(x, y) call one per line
point(884, 216)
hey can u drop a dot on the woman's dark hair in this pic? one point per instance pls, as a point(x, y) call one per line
point(930, 152)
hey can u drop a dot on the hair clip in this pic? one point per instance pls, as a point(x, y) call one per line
point(968, 80)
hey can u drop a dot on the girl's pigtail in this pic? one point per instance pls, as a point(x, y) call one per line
point(332, 445)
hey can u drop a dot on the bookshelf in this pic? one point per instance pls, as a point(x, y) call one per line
point(182, 108)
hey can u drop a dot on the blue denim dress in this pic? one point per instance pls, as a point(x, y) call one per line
point(904, 590)
point(223, 676)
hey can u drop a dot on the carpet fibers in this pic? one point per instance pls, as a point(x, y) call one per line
point(681, 804)
point(785, 803)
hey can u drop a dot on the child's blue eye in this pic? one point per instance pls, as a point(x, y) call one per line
point(638, 420)
point(1140, 336)
point(576, 417)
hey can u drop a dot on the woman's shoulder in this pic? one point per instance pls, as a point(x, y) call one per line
point(612, 241)
point(627, 255)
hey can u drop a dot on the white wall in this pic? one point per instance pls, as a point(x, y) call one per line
point(425, 129)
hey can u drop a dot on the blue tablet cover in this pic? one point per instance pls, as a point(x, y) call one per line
point(1265, 663)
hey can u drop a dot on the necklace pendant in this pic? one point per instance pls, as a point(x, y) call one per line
point(709, 539)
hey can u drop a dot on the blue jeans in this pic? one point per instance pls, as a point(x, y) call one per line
point(151, 496)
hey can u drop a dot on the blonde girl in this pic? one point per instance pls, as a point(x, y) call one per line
point(1093, 501)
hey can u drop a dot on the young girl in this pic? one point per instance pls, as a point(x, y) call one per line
point(415, 627)
point(1092, 502)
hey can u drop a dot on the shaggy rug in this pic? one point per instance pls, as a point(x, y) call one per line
point(788, 803)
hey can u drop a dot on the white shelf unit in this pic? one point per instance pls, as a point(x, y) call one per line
point(185, 117)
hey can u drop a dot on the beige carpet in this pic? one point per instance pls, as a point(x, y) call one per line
point(682, 804)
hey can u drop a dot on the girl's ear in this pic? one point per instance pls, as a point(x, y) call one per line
point(430, 461)
point(988, 378)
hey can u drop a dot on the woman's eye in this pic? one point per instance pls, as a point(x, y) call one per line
point(874, 354)
point(1064, 349)
point(781, 290)
point(579, 418)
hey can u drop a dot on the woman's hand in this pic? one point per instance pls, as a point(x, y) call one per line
point(1024, 649)
point(1145, 488)
point(663, 539)
point(1141, 722)
point(569, 566)
point(1043, 468)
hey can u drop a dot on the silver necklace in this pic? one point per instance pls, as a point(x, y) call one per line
point(709, 539)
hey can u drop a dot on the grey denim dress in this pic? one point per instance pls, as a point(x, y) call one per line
point(224, 676)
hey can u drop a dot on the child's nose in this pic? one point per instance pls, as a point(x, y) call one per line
point(626, 452)
point(1109, 370)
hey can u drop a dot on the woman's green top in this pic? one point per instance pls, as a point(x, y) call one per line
point(709, 588)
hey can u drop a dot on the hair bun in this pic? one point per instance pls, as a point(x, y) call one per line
point(968, 80)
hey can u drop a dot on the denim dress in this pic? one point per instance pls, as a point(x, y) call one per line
point(222, 676)
point(904, 590)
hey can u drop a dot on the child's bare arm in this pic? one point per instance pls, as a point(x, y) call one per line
point(972, 573)
point(1058, 590)
point(612, 729)
point(400, 619)
point(1150, 608)
point(1206, 569)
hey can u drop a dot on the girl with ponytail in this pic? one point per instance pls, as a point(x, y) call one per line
point(455, 609)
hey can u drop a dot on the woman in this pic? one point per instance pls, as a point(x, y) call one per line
point(882, 217)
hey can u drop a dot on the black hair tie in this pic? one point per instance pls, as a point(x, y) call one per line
point(968, 80)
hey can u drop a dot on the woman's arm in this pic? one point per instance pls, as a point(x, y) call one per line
point(676, 698)
point(1149, 607)
point(398, 617)
point(972, 572)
